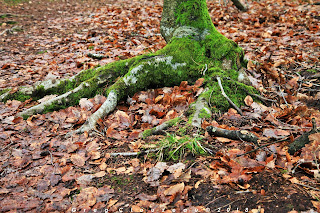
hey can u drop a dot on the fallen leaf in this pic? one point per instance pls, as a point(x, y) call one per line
point(78, 160)
point(178, 188)
point(143, 196)
point(248, 100)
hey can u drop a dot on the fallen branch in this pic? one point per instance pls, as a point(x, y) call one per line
point(239, 5)
point(228, 99)
point(14, 28)
point(233, 134)
point(301, 141)
point(96, 56)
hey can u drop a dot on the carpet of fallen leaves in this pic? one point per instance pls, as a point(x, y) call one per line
point(41, 171)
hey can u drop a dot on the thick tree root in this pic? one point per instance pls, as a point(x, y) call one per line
point(41, 107)
point(181, 60)
point(45, 85)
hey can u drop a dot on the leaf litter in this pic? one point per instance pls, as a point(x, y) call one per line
point(42, 171)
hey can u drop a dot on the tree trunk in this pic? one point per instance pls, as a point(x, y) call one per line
point(195, 50)
point(182, 18)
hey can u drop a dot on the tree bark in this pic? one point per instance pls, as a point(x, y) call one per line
point(182, 18)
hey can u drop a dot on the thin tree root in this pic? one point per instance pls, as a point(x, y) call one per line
point(228, 99)
point(108, 106)
point(260, 147)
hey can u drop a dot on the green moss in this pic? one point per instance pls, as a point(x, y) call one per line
point(204, 114)
point(234, 90)
point(147, 133)
point(19, 96)
point(42, 51)
point(174, 121)
point(185, 129)
point(4, 91)
point(194, 13)
point(169, 123)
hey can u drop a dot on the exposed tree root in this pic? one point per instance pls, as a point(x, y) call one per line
point(193, 43)
point(229, 100)
point(108, 106)
point(158, 130)
point(165, 68)
point(40, 107)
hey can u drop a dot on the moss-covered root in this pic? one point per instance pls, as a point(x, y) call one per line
point(108, 106)
point(160, 129)
point(59, 99)
point(42, 88)
point(155, 71)
point(99, 76)
point(198, 111)
point(4, 93)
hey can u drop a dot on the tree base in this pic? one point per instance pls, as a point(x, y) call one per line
point(183, 59)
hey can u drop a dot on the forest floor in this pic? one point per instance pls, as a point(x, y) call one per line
point(41, 171)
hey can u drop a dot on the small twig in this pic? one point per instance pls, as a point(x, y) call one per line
point(260, 147)
point(11, 143)
point(282, 95)
point(242, 192)
point(133, 153)
point(210, 98)
point(212, 201)
point(228, 99)
point(300, 184)
point(3, 32)
point(269, 58)
point(261, 97)
point(54, 166)
point(228, 204)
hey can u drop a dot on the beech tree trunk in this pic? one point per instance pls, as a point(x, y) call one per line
point(182, 18)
